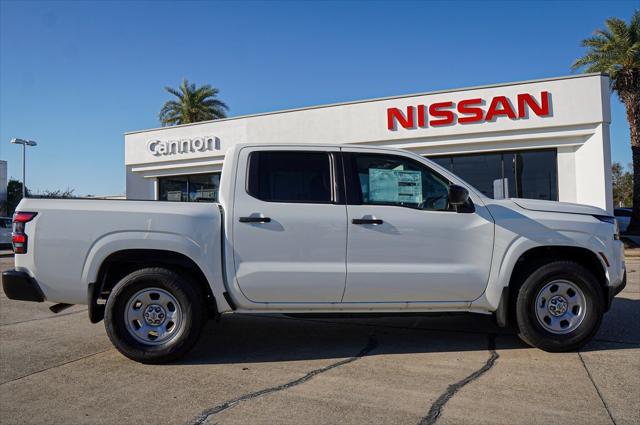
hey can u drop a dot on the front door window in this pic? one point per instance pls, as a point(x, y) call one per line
point(399, 181)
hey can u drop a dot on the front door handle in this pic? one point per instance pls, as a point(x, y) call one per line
point(255, 219)
point(367, 221)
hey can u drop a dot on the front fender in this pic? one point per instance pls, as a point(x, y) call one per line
point(505, 260)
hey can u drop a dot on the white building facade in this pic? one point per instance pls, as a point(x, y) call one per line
point(542, 139)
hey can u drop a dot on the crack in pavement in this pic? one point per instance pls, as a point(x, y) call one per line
point(372, 343)
point(604, 403)
point(54, 366)
point(438, 405)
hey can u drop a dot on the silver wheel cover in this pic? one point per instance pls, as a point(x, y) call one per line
point(560, 306)
point(153, 316)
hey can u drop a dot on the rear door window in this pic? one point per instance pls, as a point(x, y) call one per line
point(298, 177)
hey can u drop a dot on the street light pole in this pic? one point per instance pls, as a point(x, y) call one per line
point(24, 171)
point(24, 144)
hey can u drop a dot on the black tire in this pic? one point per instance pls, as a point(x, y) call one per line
point(191, 305)
point(529, 327)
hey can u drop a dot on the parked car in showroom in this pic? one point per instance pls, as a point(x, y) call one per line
point(5, 232)
point(320, 229)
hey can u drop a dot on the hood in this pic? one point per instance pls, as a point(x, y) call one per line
point(560, 207)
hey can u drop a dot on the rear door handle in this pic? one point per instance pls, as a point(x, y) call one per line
point(367, 221)
point(255, 219)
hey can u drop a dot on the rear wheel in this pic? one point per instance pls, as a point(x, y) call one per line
point(559, 307)
point(153, 315)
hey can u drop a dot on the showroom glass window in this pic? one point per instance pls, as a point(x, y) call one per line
point(520, 174)
point(400, 181)
point(191, 188)
point(276, 176)
point(532, 174)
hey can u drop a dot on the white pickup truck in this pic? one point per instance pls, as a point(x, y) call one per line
point(319, 229)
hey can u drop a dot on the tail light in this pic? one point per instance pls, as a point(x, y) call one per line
point(19, 237)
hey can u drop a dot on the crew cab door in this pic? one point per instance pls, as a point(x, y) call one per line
point(406, 243)
point(289, 226)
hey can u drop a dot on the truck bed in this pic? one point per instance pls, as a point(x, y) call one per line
point(69, 238)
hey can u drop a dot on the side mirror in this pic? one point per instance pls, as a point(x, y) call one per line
point(458, 195)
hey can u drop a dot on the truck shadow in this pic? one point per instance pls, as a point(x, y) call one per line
point(275, 338)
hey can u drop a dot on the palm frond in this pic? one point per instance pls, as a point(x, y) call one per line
point(617, 27)
point(174, 92)
point(614, 50)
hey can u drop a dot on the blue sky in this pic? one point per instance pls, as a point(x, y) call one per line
point(76, 75)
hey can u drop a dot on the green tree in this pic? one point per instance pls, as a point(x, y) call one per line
point(622, 186)
point(192, 104)
point(616, 51)
point(14, 195)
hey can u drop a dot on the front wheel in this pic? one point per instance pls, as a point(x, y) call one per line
point(559, 307)
point(153, 315)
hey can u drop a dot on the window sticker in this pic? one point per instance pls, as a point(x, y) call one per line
point(395, 186)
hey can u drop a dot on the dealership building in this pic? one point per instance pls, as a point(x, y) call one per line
point(541, 139)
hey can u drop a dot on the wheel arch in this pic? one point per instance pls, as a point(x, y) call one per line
point(121, 263)
point(521, 252)
point(545, 254)
point(538, 256)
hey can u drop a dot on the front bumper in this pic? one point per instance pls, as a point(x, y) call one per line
point(20, 286)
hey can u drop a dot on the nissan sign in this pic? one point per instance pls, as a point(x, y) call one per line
point(469, 111)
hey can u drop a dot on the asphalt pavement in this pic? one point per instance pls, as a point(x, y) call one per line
point(268, 369)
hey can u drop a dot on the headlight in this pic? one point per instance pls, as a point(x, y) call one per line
point(611, 220)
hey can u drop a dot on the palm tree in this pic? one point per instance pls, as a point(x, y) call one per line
point(616, 51)
point(193, 104)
